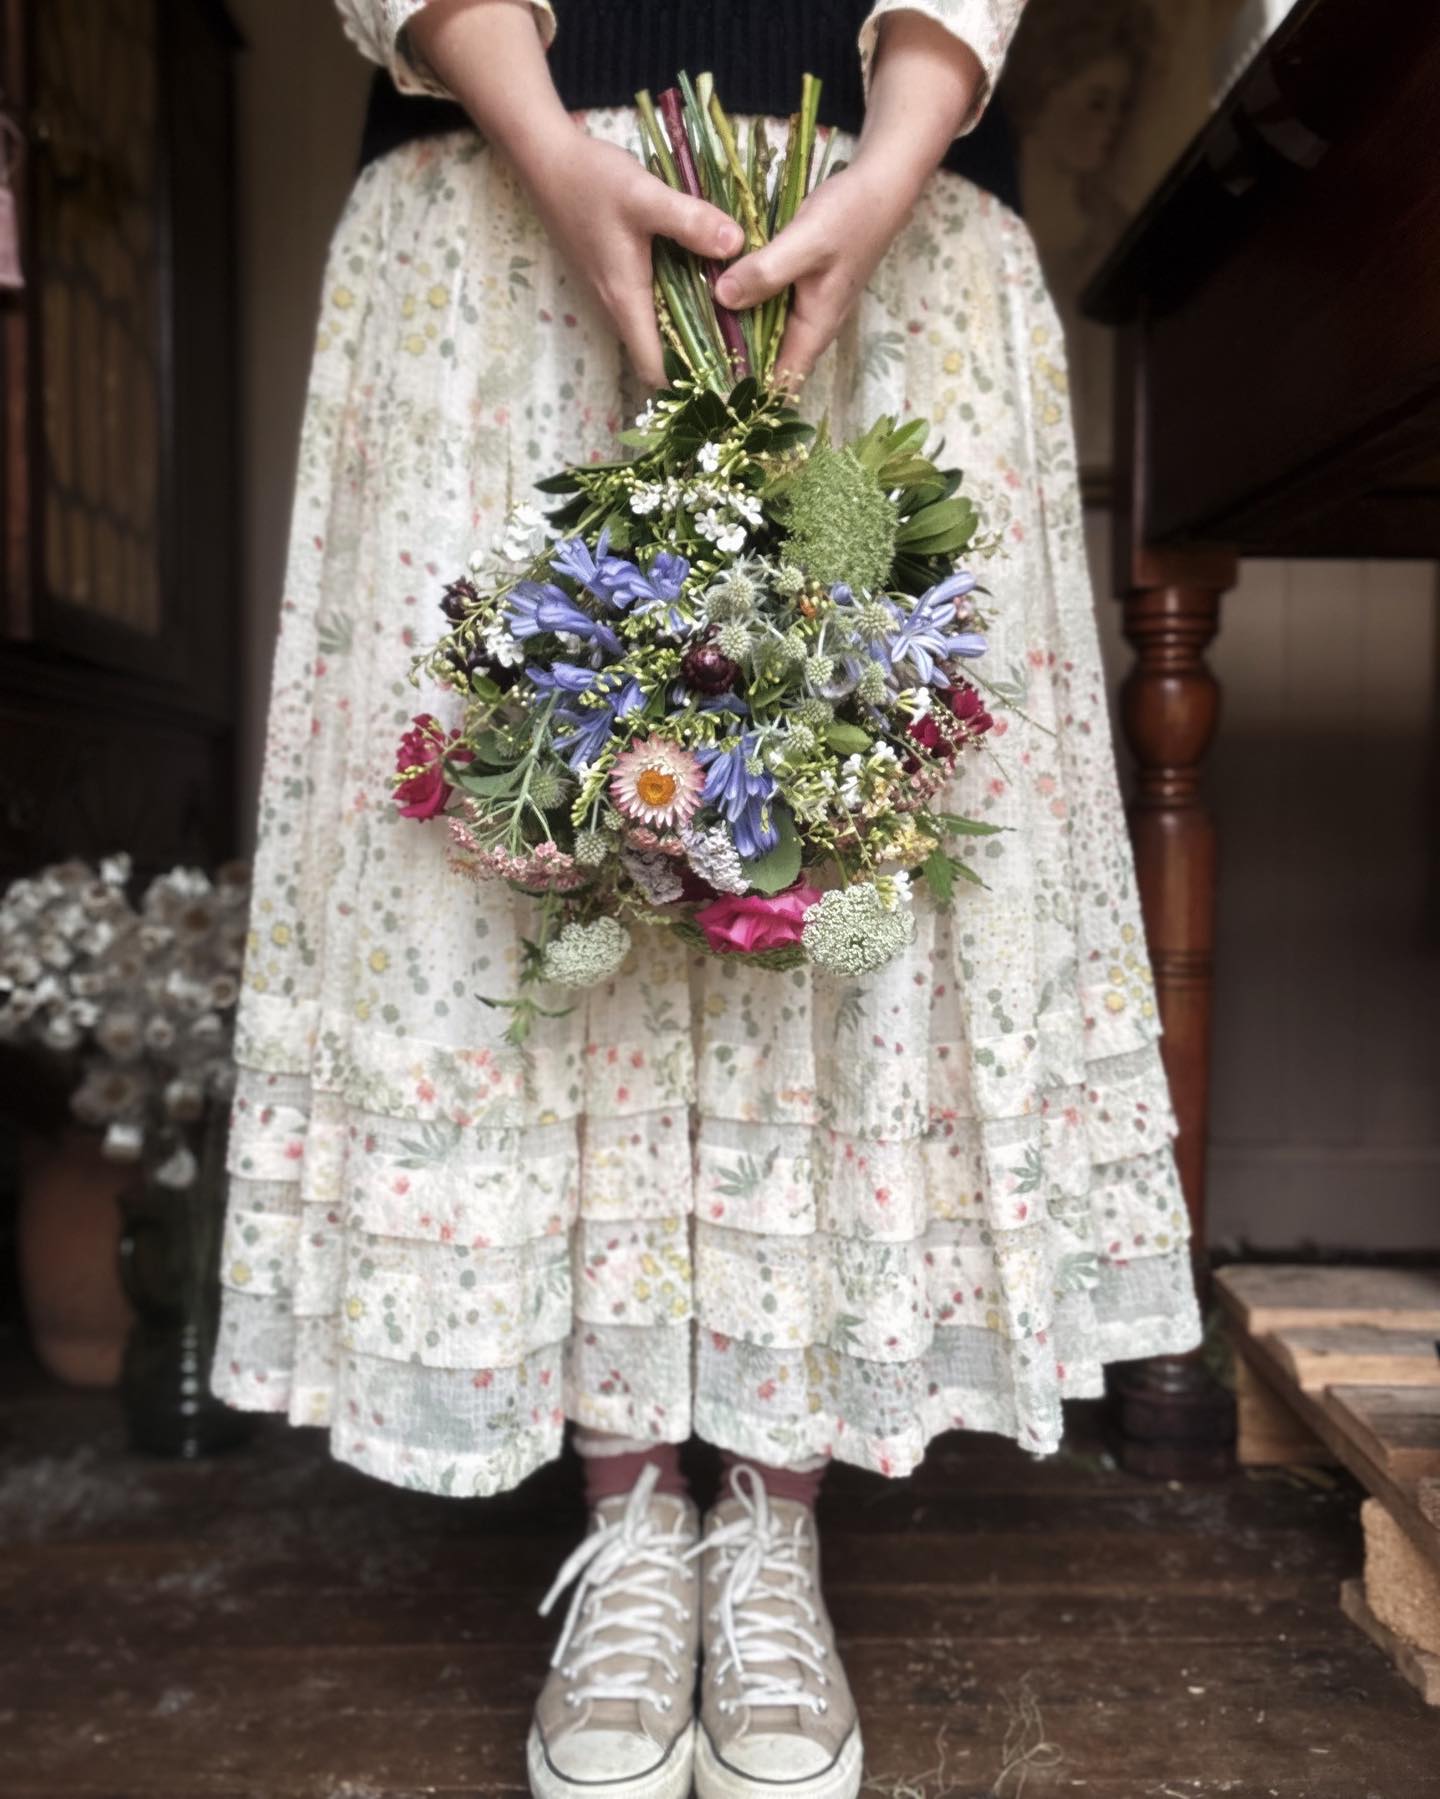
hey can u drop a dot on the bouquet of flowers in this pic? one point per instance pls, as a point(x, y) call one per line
point(721, 689)
point(140, 998)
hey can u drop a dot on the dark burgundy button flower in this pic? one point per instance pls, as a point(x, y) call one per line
point(707, 669)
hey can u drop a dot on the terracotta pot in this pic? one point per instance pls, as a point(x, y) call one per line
point(68, 1240)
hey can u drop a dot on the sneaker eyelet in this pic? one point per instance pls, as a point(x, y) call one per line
point(667, 1703)
point(822, 1705)
point(571, 1700)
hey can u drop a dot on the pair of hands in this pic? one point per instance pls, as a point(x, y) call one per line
point(606, 210)
point(603, 209)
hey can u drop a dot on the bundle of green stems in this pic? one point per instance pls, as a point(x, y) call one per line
point(692, 143)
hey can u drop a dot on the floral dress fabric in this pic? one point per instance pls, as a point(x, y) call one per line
point(794, 1214)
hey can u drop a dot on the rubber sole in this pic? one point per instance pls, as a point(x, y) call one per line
point(841, 1780)
point(671, 1780)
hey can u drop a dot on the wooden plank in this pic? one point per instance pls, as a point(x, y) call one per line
point(1265, 1297)
point(1268, 1434)
point(1402, 1499)
point(1415, 1665)
point(1398, 1427)
point(1402, 1588)
point(1356, 1355)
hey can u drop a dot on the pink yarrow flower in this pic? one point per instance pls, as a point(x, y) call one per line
point(421, 790)
point(746, 922)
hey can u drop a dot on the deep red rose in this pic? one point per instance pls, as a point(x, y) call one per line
point(424, 792)
point(969, 708)
point(744, 922)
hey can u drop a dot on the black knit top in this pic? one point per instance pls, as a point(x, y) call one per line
point(757, 51)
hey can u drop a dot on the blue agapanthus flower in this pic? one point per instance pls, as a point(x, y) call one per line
point(582, 731)
point(534, 608)
point(741, 796)
point(657, 586)
point(597, 571)
point(924, 639)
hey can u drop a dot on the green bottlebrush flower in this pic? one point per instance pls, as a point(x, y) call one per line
point(585, 954)
point(813, 712)
point(548, 788)
point(852, 930)
point(870, 688)
point(733, 639)
point(591, 848)
point(734, 597)
point(873, 618)
point(841, 522)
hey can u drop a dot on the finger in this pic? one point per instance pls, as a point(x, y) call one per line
point(695, 224)
point(805, 341)
point(633, 310)
point(768, 270)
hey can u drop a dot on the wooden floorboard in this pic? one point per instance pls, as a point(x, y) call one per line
point(274, 1626)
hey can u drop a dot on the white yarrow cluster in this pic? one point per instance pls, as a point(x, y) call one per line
point(145, 996)
point(585, 954)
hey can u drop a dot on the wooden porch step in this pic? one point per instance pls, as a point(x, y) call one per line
point(1362, 1355)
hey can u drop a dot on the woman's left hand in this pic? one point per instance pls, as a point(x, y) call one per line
point(829, 251)
point(922, 89)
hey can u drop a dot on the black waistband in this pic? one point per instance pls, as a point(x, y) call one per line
point(757, 51)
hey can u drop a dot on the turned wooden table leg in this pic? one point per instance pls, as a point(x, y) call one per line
point(1175, 1421)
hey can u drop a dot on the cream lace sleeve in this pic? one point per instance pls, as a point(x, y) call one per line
point(377, 29)
point(987, 26)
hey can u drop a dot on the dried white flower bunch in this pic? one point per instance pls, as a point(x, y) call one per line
point(143, 998)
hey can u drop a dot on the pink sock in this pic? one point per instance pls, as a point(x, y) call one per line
point(801, 1484)
point(614, 1464)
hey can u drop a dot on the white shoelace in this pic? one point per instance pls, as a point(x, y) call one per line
point(765, 1563)
point(623, 1606)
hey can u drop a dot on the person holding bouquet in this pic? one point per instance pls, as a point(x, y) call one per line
point(802, 1215)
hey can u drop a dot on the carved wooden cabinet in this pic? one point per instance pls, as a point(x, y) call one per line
point(118, 478)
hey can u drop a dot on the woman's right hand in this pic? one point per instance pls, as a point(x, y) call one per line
point(601, 210)
point(600, 207)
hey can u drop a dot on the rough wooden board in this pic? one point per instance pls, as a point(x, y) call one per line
point(1398, 1426)
point(1403, 1499)
point(1420, 1669)
point(1402, 1587)
point(1360, 1355)
point(1427, 1497)
point(1268, 1298)
point(1268, 1434)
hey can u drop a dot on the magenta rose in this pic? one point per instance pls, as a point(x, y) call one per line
point(420, 760)
point(744, 922)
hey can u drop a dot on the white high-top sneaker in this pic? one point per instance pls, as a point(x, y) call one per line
point(777, 1720)
point(616, 1716)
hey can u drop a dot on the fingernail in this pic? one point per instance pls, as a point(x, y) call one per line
point(732, 240)
point(725, 290)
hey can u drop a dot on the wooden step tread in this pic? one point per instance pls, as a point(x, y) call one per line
point(1266, 1297)
point(1398, 1427)
point(1420, 1669)
point(1359, 1355)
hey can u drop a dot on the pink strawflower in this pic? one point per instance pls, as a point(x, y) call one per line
point(657, 783)
point(745, 922)
point(421, 789)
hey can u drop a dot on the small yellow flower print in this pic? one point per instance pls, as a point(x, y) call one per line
point(241, 1273)
point(407, 307)
point(414, 344)
point(437, 297)
point(379, 960)
point(343, 298)
point(1114, 1002)
point(354, 1308)
point(953, 362)
point(280, 933)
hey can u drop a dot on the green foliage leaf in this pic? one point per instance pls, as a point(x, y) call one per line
point(956, 826)
point(777, 869)
point(848, 740)
point(939, 873)
point(938, 530)
point(489, 787)
point(564, 482)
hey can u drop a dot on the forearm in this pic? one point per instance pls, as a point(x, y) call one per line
point(922, 87)
point(489, 55)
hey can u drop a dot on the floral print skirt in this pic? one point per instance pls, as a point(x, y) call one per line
point(793, 1214)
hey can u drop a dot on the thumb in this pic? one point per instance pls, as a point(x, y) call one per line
point(766, 271)
point(694, 224)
